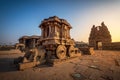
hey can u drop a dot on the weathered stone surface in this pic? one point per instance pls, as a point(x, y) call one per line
point(100, 38)
point(54, 43)
point(87, 50)
point(28, 41)
point(99, 35)
point(25, 65)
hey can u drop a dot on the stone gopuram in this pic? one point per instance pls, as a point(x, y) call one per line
point(99, 36)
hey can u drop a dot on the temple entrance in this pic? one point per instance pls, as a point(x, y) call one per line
point(99, 45)
point(99, 36)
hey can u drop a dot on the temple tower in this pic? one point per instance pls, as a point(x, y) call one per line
point(99, 36)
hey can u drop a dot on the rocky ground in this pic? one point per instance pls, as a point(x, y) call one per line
point(103, 65)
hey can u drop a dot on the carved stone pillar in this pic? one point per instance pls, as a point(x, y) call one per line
point(69, 33)
point(45, 32)
point(42, 32)
point(63, 31)
point(57, 32)
point(53, 31)
point(49, 31)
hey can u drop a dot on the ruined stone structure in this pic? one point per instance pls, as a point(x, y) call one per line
point(29, 41)
point(84, 48)
point(99, 35)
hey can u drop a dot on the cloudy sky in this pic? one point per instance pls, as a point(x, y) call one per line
point(22, 17)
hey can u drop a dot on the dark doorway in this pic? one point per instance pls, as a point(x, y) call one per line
point(28, 43)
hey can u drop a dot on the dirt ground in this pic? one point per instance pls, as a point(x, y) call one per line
point(103, 65)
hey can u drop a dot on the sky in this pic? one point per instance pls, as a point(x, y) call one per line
point(22, 17)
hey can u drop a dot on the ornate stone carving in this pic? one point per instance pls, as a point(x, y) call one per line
point(55, 44)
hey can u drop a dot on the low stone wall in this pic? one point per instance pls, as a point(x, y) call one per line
point(111, 46)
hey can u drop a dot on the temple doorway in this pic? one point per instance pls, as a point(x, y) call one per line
point(99, 45)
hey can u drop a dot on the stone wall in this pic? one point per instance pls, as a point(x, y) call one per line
point(111, 46)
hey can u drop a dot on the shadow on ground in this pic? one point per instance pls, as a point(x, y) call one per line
point(6, 65)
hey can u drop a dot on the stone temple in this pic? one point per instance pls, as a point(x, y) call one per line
point(99, 36)
point(53, 46)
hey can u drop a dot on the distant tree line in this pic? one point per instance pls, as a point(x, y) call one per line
point(6, 47)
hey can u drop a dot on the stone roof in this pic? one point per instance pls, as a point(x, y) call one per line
point(29, 37)
point(57, 19)
point(35, 36)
